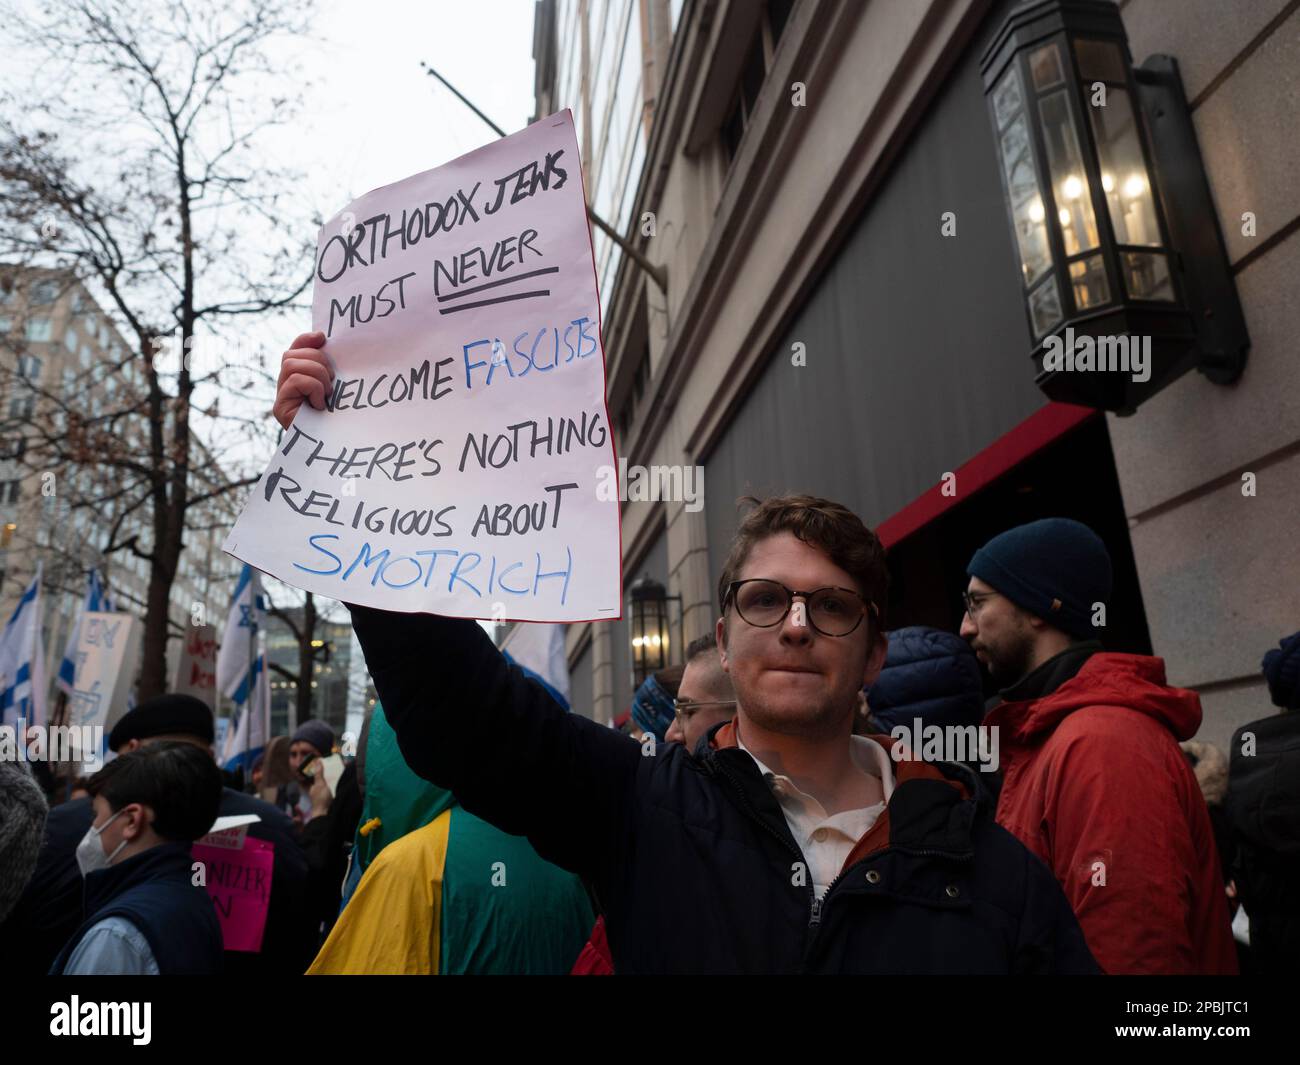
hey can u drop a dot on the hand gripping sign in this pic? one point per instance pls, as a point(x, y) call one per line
point(454, 469)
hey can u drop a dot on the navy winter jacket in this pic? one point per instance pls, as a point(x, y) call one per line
point(154, 891)
point(930, 674)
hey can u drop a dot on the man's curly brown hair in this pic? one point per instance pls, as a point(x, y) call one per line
point(831, 527)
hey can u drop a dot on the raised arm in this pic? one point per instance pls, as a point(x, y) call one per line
point(470, 722)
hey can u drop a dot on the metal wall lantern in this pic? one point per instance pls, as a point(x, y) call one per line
point(649, 624)
point(1109, 206)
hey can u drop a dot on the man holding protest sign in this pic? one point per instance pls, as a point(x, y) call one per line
point(787, 844)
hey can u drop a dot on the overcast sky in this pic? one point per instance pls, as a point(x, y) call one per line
point(371, 116)
point(374, 117)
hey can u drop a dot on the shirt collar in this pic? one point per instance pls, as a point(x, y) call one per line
point(867, 755)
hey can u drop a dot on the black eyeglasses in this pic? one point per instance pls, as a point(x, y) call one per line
point(685, 708)
point(974, 601)
point(763, 603)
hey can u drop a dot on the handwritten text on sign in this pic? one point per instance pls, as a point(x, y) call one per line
point(455, 468)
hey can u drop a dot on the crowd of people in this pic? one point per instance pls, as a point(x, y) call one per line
point(757, 811)
point(104, 881)
point(772, 805)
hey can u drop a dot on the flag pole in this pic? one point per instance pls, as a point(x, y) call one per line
point(252, 678)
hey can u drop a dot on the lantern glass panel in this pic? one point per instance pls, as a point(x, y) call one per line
point(1099, 60)
point(1045, 67)
point(1045, 307)
point(1026, 203)
point(1088, 281)
point(1123, 171)
point(1069, 178)
point(1146, 276)
point(1007, 100)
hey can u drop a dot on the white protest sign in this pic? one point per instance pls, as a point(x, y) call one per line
point(105, 659)
point(455, 469)
point(196, 669)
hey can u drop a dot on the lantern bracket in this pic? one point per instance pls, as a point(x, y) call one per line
point(1222, 340)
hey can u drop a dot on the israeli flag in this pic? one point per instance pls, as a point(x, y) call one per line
point(251, 732)
point(22, 660)
point(96, 600)
point(247, 619)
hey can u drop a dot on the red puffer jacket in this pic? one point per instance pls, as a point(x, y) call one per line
point(1095, 785)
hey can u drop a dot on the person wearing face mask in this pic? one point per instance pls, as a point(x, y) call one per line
point(143, 915)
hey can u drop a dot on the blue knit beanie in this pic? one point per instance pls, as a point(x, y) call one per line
point(1055, 568)
point(1282, 671)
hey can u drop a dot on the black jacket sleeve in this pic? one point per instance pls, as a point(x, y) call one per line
point(470, 722)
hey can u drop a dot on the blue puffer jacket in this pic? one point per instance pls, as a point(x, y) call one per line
point(930, 674)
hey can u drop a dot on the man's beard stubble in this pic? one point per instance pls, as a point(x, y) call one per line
point(821, 721)
point(1010, 665)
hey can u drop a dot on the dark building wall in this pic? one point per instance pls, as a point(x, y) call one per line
point(916, 343)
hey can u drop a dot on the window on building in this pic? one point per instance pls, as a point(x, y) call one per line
point(44, 292)
point(9, 491)
point(70, 341)
point(22, 406)
point(640, 381)
point(758, 61)
point(5, 324)
point(13, 447)
point(39, 329)
point(29, 366)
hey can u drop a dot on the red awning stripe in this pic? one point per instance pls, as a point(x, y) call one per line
point(1007, 451)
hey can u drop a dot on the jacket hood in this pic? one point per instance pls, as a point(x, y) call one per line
point(1136, 682)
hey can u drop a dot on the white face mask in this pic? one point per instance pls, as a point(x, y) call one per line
point(90, 851)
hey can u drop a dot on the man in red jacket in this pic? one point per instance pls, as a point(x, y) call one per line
point(1094, 782)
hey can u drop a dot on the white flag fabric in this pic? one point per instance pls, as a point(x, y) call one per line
point(96, 601)
point(539, 649)
point(254, 716)
point(22, 660)
point(247, 618)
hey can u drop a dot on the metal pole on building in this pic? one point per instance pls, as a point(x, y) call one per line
point(656, 272)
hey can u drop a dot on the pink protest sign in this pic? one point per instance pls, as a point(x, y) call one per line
point(464, 463)
point(239, 882)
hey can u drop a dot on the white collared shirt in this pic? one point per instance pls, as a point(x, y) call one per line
point(826, 841)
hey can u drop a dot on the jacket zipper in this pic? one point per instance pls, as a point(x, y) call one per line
point(815, 904)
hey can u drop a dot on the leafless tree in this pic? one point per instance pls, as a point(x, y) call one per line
point(136, 163)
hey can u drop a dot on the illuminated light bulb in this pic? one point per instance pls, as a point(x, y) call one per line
point(1107, 182)
point(1036, 211)
point(1064, 216)
point(1072, 188)
point(636, 641)
point(1135, 186)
